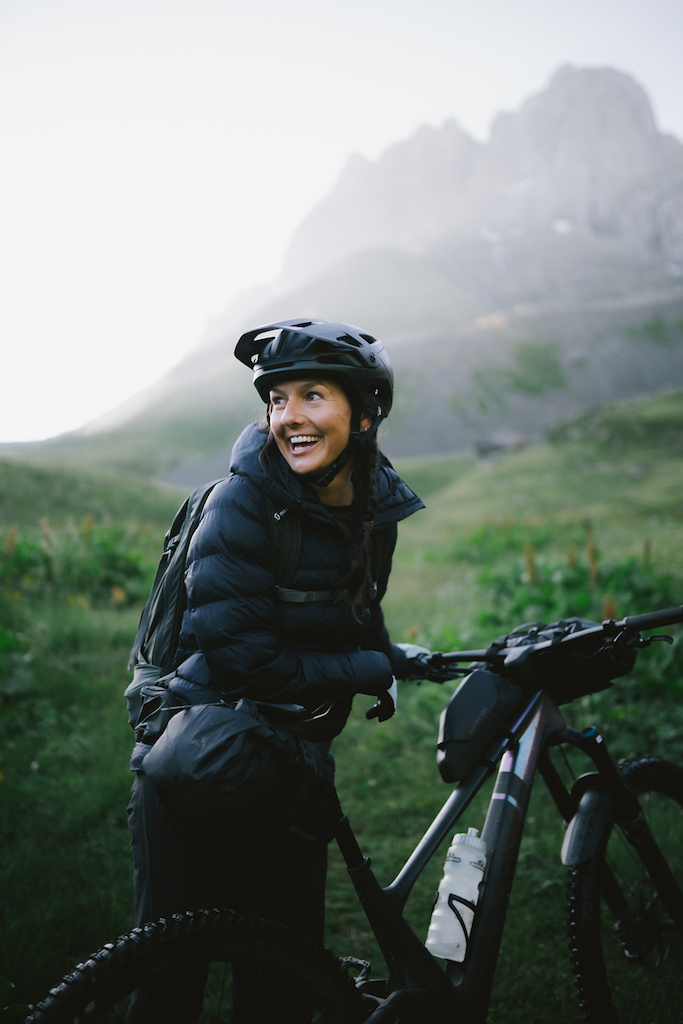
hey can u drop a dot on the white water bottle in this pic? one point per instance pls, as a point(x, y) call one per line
point(453, 914)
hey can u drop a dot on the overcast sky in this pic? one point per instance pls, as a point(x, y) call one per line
point(158, 154)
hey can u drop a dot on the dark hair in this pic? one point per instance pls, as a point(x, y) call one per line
point(356, 586)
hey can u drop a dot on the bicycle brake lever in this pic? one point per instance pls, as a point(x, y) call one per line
point(382, 710)
point(645, 641)
point(385, 706)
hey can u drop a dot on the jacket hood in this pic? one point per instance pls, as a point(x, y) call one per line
point(396, 500)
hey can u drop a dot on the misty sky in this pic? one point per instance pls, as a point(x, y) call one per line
point(158, 154)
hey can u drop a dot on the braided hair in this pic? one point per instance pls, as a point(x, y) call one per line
point(355, 587)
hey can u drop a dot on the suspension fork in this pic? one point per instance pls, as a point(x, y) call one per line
point(567, 804)
point(630, 818)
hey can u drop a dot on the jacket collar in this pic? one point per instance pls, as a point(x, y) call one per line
point(396, 500)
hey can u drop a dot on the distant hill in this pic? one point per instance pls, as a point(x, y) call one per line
point(516, 282)
point(35, 495)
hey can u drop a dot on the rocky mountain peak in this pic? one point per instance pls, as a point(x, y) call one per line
point(388, 203)
point(581, 109)
point(583, 156)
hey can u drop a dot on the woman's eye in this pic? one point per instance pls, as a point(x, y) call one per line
point(314, 395)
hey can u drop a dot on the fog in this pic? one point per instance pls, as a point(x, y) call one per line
point(160, 153)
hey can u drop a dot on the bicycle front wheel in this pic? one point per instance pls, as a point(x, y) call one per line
point(257, 971)
point(629, 962)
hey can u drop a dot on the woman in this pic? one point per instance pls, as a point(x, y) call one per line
point(315, 643)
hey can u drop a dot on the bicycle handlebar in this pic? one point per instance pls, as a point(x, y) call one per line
point(630, 625)
point(651, 620)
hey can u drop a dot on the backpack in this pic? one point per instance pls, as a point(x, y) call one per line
point(156, 643)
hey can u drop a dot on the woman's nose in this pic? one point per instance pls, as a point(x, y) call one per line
point(293, 412)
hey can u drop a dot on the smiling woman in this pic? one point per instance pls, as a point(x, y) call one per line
point(303, 650)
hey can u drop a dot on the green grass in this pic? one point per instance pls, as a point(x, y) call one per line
point(561, 529)
point(642, 428)
point(64, 870)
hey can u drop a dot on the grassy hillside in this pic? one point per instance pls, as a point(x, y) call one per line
point(590, 524)
point(607, 491)
point(30, 493)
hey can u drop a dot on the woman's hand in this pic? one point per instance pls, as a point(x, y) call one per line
point(423, 664)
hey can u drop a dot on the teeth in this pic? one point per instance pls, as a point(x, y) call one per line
point(304, 439)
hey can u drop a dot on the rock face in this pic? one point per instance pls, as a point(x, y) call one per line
point(413, 195)
point(580, 172)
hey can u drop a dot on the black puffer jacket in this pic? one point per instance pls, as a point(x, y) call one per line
point(238, 637)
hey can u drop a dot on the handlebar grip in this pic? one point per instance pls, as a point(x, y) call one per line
point(652, 620)
point(451, 657)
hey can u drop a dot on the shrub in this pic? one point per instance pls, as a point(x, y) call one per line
point(87, 561)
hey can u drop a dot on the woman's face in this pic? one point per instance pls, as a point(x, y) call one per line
point(311, 423)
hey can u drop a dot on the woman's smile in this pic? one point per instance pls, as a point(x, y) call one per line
point(303, 441)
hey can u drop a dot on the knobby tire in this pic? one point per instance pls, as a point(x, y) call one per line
point(99, 988)
point(630, 970)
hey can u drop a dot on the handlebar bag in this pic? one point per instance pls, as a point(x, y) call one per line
point(226, 766)
point(583, 665)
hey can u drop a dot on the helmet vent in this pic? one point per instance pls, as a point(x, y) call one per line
point(350, 340)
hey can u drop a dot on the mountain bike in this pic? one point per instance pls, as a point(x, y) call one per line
point(623, 846)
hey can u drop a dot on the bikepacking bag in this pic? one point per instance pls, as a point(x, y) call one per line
point(227, 767)
point(471, 719)
point(589, 666)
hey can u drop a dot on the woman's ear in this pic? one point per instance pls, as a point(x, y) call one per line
point(365, 423)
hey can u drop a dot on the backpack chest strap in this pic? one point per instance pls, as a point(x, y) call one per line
point(303, 596)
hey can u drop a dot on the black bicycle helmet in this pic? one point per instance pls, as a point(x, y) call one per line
point(342, 352)
point(290, 348)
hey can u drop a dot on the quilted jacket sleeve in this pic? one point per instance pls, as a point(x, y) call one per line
point(232, 605)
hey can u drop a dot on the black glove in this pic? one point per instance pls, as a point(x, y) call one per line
point(423, 664)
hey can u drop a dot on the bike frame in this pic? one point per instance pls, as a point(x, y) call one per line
point(461, 992)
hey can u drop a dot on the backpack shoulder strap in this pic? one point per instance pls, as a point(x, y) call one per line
point(381, 542)
point(285, 538)
point(284, 529)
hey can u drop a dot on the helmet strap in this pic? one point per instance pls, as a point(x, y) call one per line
point(358, 438)
point(330, 473)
